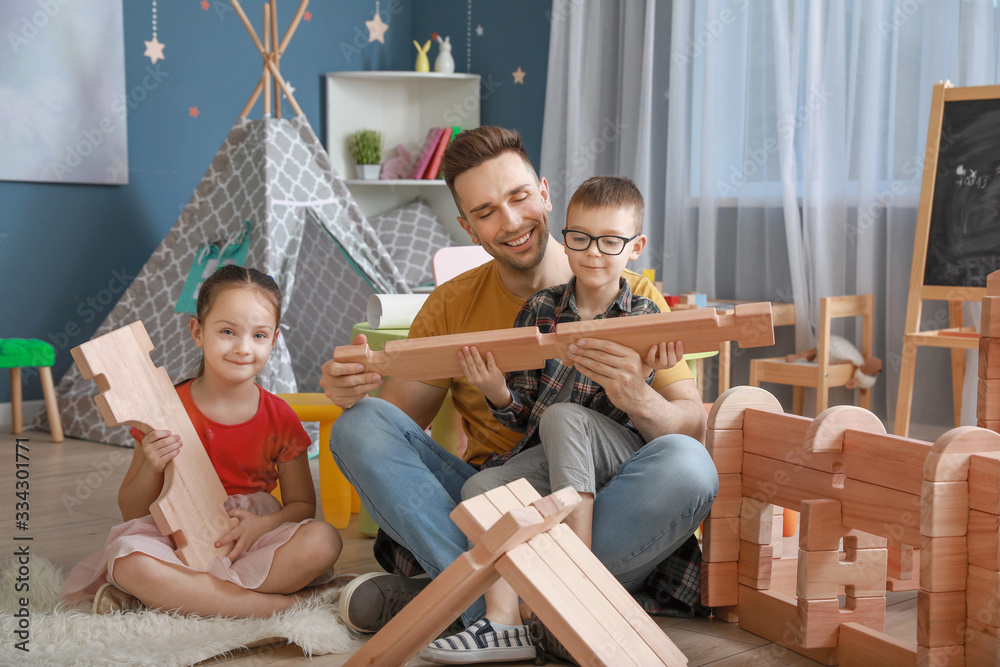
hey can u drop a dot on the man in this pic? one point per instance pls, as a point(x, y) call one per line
point(410, 484)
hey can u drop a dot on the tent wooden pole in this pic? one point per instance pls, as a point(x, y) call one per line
point(285, 88)
point(253, 97)
point(267, 59)
point(246, 24)
point(275, 55)
point(291, 28)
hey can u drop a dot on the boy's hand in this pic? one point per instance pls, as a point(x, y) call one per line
point(663, 356)
point(159, 447)
point(485, 375)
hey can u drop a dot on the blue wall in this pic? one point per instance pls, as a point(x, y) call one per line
point(67, 252)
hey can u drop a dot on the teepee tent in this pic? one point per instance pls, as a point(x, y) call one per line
point(306, 231)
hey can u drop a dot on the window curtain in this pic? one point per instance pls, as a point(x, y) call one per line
point(779, 144)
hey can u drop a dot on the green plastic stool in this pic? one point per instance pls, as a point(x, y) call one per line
point(18, 353)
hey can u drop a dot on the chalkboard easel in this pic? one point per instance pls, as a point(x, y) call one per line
point(957, 243)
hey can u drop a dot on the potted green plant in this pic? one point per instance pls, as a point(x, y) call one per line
point(366, 149)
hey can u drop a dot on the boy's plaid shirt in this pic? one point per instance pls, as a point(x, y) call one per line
point(534, 390)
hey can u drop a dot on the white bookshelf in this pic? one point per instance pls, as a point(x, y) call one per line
point(402, 106)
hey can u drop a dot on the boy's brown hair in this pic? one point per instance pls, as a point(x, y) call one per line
point(609, 192)
point(473, 147)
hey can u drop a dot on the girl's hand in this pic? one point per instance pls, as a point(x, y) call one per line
point(159, 447)
point(485, 375)
point(663, 356)
point(246, 532)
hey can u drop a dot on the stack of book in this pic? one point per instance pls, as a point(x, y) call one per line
point(428, 161)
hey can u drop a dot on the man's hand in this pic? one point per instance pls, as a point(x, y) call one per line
point(346, 384)
point(619, 369)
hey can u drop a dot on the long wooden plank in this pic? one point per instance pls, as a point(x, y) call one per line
point(860, 646)
point(775, 617)
point(886, 460)
point(785, 484)
point(782, 437)
point(616, 594)
point(190, 507)
point(881, 511)
point(578, 631)
point(435, 357)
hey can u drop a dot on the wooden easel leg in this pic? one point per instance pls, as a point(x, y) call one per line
point(724, 362)
point(907, 370)
point(957, 362)
point(798, 392)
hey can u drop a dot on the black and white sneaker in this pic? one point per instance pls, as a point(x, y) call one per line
point(370, 601)
point(482, 642)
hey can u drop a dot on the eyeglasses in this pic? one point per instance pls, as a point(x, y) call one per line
point(609, 245)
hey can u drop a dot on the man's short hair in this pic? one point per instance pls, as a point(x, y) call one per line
point(473, 147)
point(609, 192)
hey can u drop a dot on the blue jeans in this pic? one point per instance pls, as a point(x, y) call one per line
point(410, 485)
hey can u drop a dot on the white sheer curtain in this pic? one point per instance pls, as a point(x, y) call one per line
point(794, 136)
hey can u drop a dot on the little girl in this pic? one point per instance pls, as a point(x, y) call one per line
point(254, 440)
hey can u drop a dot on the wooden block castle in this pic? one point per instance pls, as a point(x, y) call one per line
point(859, 491)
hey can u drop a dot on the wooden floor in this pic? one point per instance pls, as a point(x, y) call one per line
point(73, 503)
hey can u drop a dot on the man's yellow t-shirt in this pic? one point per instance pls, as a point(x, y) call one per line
point(477, 300)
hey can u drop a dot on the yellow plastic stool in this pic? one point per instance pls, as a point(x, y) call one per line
point(338, 497)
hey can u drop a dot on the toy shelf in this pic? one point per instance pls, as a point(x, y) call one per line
point(403, 106)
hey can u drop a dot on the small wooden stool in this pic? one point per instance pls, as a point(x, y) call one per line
point(18, 353)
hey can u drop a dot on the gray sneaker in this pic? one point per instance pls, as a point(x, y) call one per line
point(370, 601)
point(548, 648)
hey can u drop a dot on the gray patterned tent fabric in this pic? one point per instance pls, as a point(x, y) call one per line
point(308, 233)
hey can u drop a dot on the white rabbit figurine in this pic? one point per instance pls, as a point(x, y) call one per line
point(444, 61)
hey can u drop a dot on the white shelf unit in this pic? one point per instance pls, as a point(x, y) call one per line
point(403, 106)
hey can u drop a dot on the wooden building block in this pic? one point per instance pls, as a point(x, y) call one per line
point(821, 528)
point(988, 400)
point(719, 584)
point(948, 460)
point(886, 460)
point(755, 565)
point(725, 614)
point(730, 497)
point(756, 520)
point(989, 358)
point(982, 646)
point(944, 509)
point(784, 484)
point(901, 557)
point(941, 656)
point(727, 411)
point(984, 483)
point(587, 640)
point(984, 540)
point(721, 540)
point(881, 511)
point(940, 619)
point(819, 620)
point(590, 598)
point(620, 599)
point(726, 448)
point(822, 573)
point(776, 436)
point(436, 357)
point(774, 617)
point(990, 317)
point(982, 591)
point(858, 646)
point(190, 507)
point(944, 566)
point(826, 432)
point(778, 537)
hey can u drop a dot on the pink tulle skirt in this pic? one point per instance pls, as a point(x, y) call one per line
point(141, 536)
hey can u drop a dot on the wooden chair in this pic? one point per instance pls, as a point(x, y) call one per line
point(822, 375)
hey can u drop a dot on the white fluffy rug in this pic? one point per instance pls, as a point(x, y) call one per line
point(61, 635)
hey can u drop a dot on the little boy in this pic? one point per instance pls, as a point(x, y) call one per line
point(583, 437)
